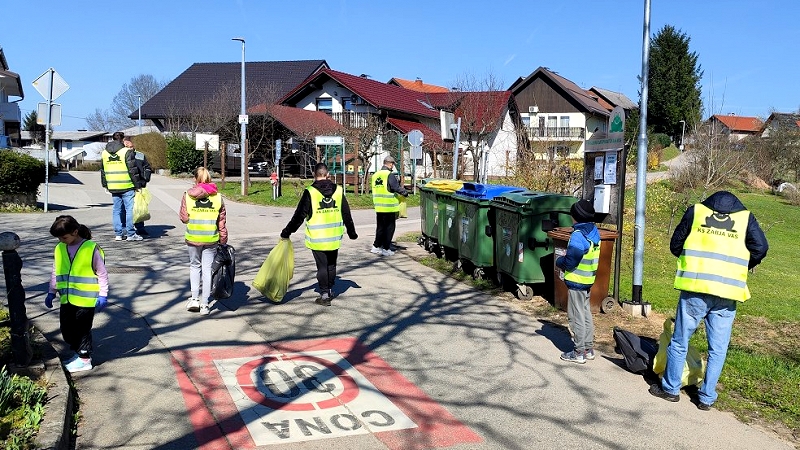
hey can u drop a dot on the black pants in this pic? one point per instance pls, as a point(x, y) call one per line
point(326, 268)
point(384, 232)
point(76, 328)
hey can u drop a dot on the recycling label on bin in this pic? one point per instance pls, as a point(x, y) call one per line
point(520, 252)
point(464, 229)
point(559, 252)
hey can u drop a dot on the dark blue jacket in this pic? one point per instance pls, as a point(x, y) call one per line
point(577, 247)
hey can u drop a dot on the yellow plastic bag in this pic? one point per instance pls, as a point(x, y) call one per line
point(694, 368)
point(141, 200)
point(273, 278)
point(403, 206)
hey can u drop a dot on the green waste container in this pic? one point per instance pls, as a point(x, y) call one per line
point(523, 251)
point(435, 202)
point(475, 225)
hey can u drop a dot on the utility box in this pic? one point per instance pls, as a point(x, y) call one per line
point(602, 198)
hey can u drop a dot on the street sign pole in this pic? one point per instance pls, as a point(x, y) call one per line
point(51, 86)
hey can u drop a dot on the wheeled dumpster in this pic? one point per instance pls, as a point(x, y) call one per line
point(476, 224)
point(598, 295)
point(438, 215)
point(523, 253)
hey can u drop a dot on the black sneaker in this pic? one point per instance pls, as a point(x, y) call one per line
point(323, 300)
point(656, 390)
point(703, 406)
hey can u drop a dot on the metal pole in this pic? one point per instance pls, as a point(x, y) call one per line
point(140, 113)
point(641, 166)
point(243, 123)
point(683, 132)
point(455, 149)
point(47, 141)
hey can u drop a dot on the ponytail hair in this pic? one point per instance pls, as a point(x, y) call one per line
point(64, 225)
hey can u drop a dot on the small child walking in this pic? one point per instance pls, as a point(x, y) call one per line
point(580, 266)
point(80, 278)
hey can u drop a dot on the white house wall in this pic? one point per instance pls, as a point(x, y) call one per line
point(502, 148)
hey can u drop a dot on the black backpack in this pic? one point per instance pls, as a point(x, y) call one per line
point(638, 351)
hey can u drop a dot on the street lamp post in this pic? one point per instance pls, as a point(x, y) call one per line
point(140, 113)
point(683, 131)
point(243, 122)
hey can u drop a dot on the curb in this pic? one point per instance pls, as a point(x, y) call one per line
point(54, 431)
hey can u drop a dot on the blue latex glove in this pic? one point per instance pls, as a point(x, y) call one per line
point(48, 301)
point(101, 303)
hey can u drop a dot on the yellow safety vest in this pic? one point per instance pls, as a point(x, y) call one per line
point(118, 178)
point(714, 258)
point(76, 280)
point(324, 229)
point(383, 200)
point(585, 271)
point(203, 215)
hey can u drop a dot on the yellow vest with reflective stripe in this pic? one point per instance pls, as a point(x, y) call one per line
point(118, 178)
point(203, 215)
point(324, 229)
point(586, 270)
point(383, 200)
point(75, 279)
point(714, 258)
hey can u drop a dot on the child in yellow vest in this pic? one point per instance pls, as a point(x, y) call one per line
point(80, 278)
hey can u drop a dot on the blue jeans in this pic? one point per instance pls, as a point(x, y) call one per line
point(718, 314)
point(123, 199)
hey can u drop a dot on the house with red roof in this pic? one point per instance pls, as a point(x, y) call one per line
point(557, 115)
point(375, 115)
point(417, 85)
point(736, 127)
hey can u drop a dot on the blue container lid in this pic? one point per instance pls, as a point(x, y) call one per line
point(486, 191)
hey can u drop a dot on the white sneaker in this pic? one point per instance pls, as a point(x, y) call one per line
point(204, 310)
point(135, 237)
point(387, 253)
point(79, 365)
point(376, 250)
point(117, 238)
point(193, 305)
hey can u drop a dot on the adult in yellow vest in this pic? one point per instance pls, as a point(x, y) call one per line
point(580, 266)
point(326, 213)
point(80, 278)
point(716, 243)
point(385, 189)
point(120, 175)
point(203, 212)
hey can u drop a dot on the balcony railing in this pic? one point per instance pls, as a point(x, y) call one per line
point(351, 119)
point(571, 133)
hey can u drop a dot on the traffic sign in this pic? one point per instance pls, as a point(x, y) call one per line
point(243, 118)
point(46, 80)
point(41, 113)
point(328, 140)
point(415, 138)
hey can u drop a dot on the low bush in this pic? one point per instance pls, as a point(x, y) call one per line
point(154, 146)
point(182, 156)
point(21, 410)
point(19, 174)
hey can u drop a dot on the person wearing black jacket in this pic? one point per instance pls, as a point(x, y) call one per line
point(119, 175)
point(716, 242)
point(324, 208)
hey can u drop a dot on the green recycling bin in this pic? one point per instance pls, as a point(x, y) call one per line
point(522, 250)
point(435, 196)
point(475, 225)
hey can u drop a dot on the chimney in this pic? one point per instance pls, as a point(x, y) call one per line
point(418, 82)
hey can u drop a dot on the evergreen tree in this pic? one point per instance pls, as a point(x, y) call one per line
point(37, 131)
point(674, 83)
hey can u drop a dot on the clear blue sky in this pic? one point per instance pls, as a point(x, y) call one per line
point(747, 49)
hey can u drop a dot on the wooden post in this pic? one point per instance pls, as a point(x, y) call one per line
point(223, 156)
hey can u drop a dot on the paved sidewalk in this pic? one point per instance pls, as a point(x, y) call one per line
point(406, 358)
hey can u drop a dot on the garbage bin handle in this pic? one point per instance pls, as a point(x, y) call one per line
point(533, 244)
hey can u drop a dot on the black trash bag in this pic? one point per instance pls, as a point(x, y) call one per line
point(638, 351)
point(223, 272)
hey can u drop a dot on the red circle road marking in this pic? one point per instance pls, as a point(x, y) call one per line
point(249, 388)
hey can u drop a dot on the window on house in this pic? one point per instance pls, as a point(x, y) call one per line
point(564, 122)
point(552, 125)
point(325, 105)
point(526, 120)
point(541, 126)
point(347, 103)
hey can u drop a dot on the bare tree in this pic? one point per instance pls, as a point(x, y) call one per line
point(481, 109)
point(367, 137)
point(125, 103)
